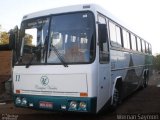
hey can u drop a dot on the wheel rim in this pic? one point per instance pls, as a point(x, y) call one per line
point(145, 82)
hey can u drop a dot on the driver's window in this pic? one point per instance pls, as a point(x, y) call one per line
point(103, 47)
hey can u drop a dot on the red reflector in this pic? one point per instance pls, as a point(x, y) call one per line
point(83, 94)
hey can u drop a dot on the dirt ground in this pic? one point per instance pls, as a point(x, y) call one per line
point(142, 105)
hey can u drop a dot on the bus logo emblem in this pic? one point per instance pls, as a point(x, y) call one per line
point(44, 80)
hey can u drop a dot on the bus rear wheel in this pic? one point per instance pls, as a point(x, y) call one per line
point(145, 82)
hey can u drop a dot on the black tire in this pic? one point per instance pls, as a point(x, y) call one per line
point(145, 82)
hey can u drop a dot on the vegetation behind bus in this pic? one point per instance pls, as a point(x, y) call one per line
point(4, 37)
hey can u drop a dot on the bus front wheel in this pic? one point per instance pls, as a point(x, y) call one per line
point(116, 99)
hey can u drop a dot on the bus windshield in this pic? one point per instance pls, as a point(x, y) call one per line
point(60, 38)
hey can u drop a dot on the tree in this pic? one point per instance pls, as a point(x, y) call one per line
point(4, 37)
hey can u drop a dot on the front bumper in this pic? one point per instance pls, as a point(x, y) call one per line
point(57, 104)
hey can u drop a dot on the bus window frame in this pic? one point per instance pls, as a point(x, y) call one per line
point(101, 61)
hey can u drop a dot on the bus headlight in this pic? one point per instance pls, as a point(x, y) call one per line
point(73, 105)
point(82, 105)
point(24, 101)
point(18, 100)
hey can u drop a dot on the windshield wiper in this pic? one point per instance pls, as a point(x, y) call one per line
point(59, 56)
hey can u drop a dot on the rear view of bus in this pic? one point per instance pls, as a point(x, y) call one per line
point(55, 69)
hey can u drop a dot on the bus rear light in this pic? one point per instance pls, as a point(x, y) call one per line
point(18, 91)
point(83, 94)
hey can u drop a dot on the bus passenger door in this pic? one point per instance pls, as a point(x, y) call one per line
point(104, 74)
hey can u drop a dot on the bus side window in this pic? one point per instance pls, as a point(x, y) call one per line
point(143, 46)
point(150, 49)
point(115, 34)
point(139, 44)
point(147, 47)
point(134, 42)
point(126, 41)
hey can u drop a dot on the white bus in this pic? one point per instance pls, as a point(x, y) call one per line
point(77, 59)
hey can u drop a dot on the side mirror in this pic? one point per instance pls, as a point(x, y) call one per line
point(11, 40)
point(102, 33)
point(13, 36)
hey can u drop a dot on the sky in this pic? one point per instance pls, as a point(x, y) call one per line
point(140, 15)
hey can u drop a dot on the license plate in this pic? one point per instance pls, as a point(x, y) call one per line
point(46, 105)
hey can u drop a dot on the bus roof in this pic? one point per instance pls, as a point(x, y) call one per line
point(76, 8)
point(67, 9)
